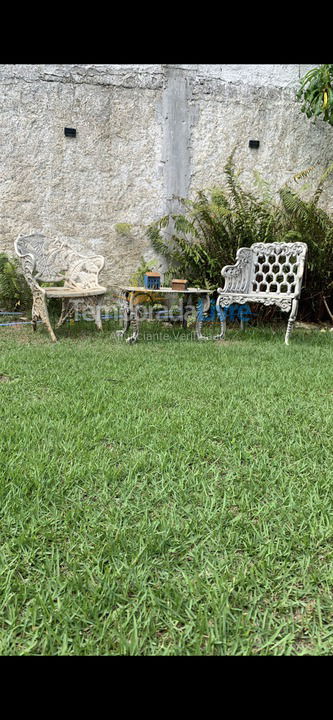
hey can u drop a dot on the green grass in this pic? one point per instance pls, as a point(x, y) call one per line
point(166, 498)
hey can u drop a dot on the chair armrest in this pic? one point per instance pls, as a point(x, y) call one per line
point(28, 262)
point(84, 272)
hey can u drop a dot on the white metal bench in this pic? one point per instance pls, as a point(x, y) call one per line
point(53, 260)
point(266, 273)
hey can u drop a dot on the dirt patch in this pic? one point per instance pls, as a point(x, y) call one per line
point(5, 378)
point(222, 343)
point(312, 326)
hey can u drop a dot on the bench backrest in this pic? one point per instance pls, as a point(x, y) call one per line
point(277, 268)
point(52, 260)
point(272, 268)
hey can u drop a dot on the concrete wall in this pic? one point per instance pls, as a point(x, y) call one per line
point(144, 134)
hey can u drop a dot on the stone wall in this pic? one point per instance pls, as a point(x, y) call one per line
point(144, 134)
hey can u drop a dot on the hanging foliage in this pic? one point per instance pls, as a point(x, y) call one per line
point(316, 93)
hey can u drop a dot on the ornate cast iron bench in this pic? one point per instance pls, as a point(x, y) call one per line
point(267, 273)
point(52, 260)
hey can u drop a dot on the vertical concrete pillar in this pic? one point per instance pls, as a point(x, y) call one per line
point(176, 136)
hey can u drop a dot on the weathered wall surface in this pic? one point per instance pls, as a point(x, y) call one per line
point(256, 103)
point(81, 187)
point(145, 133)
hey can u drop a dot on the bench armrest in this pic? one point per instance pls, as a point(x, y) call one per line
point(237, 277)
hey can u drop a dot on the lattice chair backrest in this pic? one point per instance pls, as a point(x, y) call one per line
point(52, 260)
point(37, 258)
point(278, 268)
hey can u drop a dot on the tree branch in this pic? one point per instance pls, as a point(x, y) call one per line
point(327, 308)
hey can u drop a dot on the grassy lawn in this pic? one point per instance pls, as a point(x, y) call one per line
point(166, 498)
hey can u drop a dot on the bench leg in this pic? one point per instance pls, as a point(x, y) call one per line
point(40, 311)
point(291, 320)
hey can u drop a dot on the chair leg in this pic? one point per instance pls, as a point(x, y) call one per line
point(39, 310)
point(67, 310)
point(92, 305)
point(291, 320)
point(34, 315)
point(98, 320)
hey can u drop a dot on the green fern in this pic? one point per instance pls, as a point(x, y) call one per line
point(314, 226)
point(199, 241)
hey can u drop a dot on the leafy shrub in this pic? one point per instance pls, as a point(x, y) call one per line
point(138, 276)
point(314, 226)
point(206, 236)
point(15, 293)
point(137, 279)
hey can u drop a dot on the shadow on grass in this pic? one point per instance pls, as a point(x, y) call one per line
point(157, 332)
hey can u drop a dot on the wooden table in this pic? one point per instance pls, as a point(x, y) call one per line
point(132, 314)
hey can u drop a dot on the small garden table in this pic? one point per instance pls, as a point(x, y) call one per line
point(132, 314)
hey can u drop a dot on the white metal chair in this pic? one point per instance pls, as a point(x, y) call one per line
point(53, 260)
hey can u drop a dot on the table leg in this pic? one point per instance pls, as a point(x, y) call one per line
point(221, 311)
point(205, 309)
point(127, 315)
point(130, 317)
point(135, 320)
